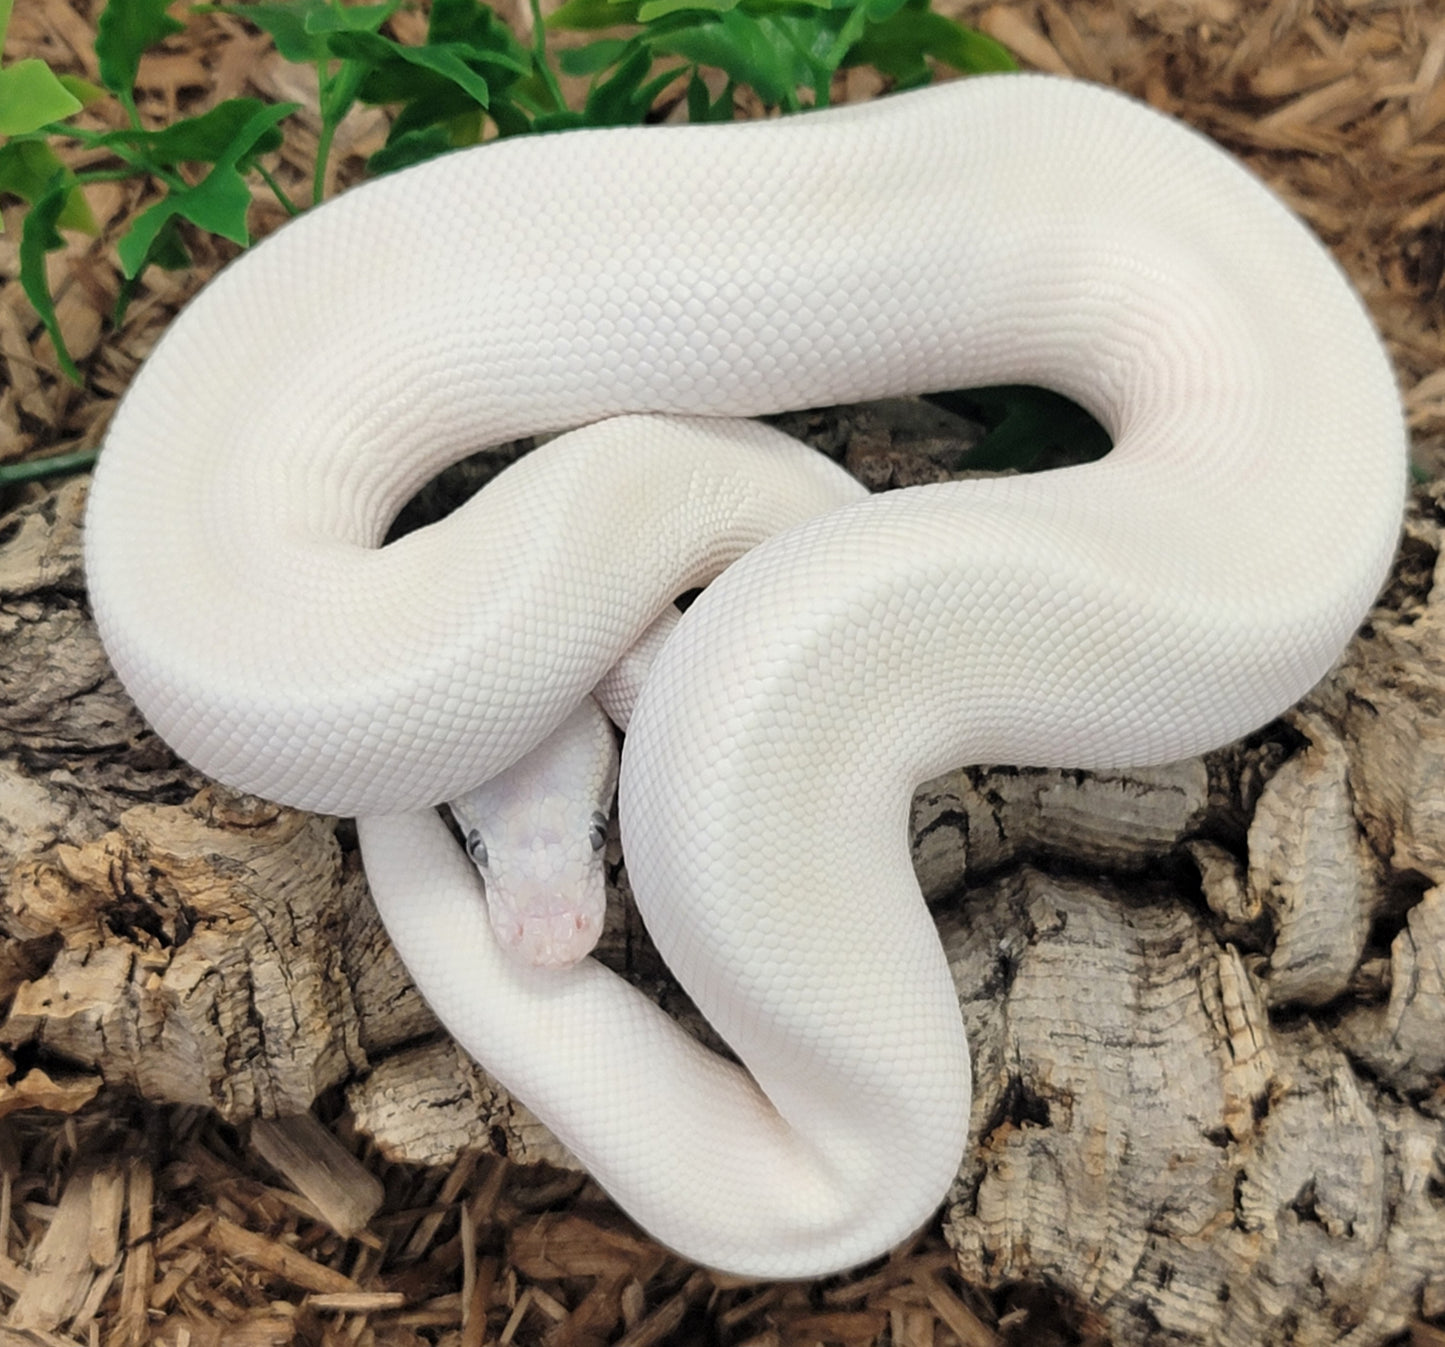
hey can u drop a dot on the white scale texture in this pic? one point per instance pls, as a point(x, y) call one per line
point(1169, 598)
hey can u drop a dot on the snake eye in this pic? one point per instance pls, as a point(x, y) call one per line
point(597, 833)
point(477, 849)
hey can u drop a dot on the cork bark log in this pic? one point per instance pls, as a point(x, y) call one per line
point(1206, 1000)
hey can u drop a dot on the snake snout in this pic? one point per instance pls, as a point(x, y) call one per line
point(546, 933)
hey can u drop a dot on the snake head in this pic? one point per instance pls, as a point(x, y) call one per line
point(536, 834)
point(546, 895)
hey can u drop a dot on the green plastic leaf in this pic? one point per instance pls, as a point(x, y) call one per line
point(745, 60)
point(286, 25)
point(28, 168)
point(511, 58)
point(649, 93)
point(701, 108)
point(761, 7)
point(167, 250)
point(5, 6)
point(124, 30)
point(339, 92)
point(413, 147)
point(614, 102)
point(218, 204)
point(532, 94)
point(42, 233)
point(469, 62)
point(657, 9)
point(595, 56)
point(584, 15)
point(83, 90)
point(566, 120)
point(31, 96)
point(77, 215)
point(384, 57)
point(38, 237)
point(699, 101)
point(465, 128)
point(846, 37)
point(627, 97)
point(968, 50)
point(236, 131)
point(775, 54)
point(447, 121)
point(336, 18)
point(898, 45)
point(478, 27)
point(487, 41)
point(436, 103)
point(515, 116)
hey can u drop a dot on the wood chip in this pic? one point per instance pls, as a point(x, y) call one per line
point(345, 1194)
point(272, 1256)
point(60, 1272)
point(355, 1302)
point(660, 1323)
point(970, 1330)
point(133, 1318)
point(107, 1204)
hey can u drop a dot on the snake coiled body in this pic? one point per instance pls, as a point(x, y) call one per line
point(1178, 593)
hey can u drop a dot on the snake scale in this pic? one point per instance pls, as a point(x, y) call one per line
point(648, 284)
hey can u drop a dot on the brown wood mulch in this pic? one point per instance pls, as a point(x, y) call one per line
point(123, 1226)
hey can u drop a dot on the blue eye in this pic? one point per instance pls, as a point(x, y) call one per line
point(597, 833)
point(476, 848)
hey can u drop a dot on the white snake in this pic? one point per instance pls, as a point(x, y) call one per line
point(1174, 595)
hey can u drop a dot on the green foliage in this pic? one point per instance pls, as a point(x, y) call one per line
point(122, 34)
point(781, 49)
point(39, 237)
point(471, 70)
point(31, 94)
point(227, 139)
